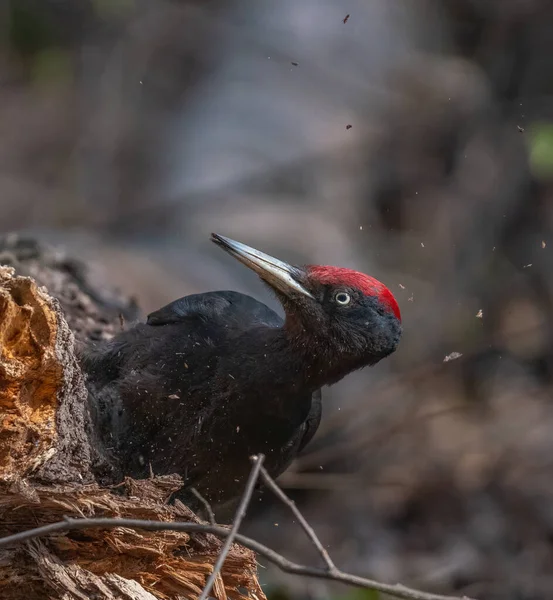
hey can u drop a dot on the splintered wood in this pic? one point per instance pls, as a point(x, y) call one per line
point(47, 461)
point(42, 392)
point(30, 376)
point(116, 564)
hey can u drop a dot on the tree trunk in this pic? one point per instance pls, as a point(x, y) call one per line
point(50, 463)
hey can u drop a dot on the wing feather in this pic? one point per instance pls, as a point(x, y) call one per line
point(229, 306)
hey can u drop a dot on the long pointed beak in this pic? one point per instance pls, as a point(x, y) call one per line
point(277, 274)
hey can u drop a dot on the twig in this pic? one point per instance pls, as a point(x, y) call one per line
point(271, 484)
point(288, 566)
point(237, 521)
point(206, 505)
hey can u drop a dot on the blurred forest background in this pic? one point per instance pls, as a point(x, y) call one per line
point(413, 141)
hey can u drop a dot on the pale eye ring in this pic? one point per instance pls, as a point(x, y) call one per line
point(342, 298)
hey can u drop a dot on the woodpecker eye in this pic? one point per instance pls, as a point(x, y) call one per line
point(342, 298)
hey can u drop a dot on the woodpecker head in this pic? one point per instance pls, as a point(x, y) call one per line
point(350, 316)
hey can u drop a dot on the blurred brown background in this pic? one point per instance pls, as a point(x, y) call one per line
point(131, 129)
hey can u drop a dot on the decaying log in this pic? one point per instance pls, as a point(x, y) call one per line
point(49, 461)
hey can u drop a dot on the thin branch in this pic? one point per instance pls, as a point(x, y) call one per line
point(238, 518)
point(397, 590)
point(206, 505)
point(271, 484)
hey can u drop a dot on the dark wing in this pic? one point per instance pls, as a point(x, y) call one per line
point(313, 420)
point(232, 307)
point(209, 311)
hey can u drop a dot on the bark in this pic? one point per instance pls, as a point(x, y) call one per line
point(50, 462)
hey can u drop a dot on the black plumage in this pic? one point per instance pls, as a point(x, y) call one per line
point(211, 379)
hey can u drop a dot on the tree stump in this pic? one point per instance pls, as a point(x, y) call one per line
point(51, 466)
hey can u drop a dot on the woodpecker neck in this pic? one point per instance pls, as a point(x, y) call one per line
point(271, 357)
point(306, 358)
point(323, 360)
